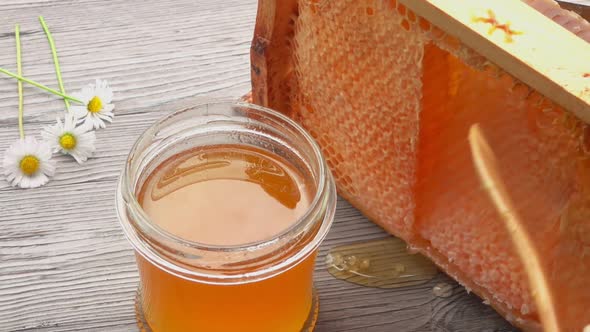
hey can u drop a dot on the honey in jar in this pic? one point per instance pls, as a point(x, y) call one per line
point(226, 233)
point(226, 195)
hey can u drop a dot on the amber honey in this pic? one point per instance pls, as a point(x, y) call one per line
point(226, 195)
point(281, 303)
point(226, 214)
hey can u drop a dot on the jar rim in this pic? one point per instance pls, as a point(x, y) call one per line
point(324, 195)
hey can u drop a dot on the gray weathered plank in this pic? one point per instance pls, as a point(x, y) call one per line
point(64, 263)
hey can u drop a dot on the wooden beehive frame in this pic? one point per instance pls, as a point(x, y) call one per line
point(510, 33)
point(521, 41)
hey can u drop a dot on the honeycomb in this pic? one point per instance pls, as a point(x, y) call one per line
point(390, 98)
point(345, 75)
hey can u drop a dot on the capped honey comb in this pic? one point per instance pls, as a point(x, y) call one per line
point(390, 90)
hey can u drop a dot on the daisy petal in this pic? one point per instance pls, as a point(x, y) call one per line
point(105, 117)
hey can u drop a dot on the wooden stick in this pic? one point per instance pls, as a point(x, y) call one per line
point(539, 52)
point(487, 169)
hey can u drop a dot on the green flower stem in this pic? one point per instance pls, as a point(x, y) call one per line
point(55, 60)
point(19, 69)
point(40, 86)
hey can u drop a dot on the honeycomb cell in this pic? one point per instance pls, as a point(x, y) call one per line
point(405, 24)
point(401, 9)
point(411, 16)
point(424, 24)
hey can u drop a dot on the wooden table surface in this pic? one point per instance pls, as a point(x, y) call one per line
point(64, 262)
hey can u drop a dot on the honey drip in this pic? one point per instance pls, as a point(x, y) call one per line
point(383, 263)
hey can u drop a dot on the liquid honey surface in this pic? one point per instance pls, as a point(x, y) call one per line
point(225, 195)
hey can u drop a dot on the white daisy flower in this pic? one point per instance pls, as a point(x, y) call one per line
point(28, 164)
point(97, 106)
point(69, 139)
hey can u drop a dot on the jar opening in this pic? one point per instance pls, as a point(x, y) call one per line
point(229, 195)
point(224, 123)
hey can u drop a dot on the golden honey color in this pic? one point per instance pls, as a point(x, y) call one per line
point(226, 195)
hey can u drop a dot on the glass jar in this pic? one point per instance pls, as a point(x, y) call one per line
point(261, 286)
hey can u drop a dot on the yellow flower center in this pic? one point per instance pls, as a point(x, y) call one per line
point(29, 165)
point(67, 141)
point(95, 105)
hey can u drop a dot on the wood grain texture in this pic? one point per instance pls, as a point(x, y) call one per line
point(64, 263)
